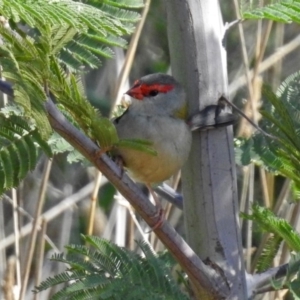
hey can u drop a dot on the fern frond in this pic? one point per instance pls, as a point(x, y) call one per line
point(269, 253)
point(87, 117)
point(82, 294)
point(76, 14)
point(18, 152)
point(64, 277)
point(268, 222)
point(91, 283)
point(282, 119)
point(82, 54)
point(91, 39)
point(117, 273)
point(122, 259)
point(17, 158)
point(60, 37)
point(280, 108)
point(101, 261)
point(120, 14)
point(76, 262)
point(72, 63)
point(282, 11)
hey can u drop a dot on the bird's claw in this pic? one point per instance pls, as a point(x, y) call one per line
point(212, 116)
point(160, 219)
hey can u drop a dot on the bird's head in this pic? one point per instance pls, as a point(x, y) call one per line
point(160, 93)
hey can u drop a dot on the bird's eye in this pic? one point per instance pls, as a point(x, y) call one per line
point(153, 93)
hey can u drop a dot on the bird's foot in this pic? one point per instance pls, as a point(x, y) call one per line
point(160, 219)
point(212, 116)
point(160, 213)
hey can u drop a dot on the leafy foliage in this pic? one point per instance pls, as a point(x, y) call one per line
point(286, 11)
point(59, 35)
point(65, 32)
point(60, 145)
point(20, 143)
point(45, 45)
point(268, 254)
point(281, 119)
point(281, 230)
point(107, 271)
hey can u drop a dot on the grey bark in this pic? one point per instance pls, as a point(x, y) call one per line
point(198, 59)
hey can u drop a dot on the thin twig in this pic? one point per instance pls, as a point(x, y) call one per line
point(284, 192)
point(3, 254)
point(23, 212)
point(51, 214)
point(40, 257)
point(266, 64)
point(244, 50)
point(121, 221)
point(125, 203)
point(17, 237)
point(279, 42)
point(8, 283)
point(270, 288)
point(249, 120)
point(259, 282)
point(265, 189)
point(249, 222)
point(262, 48)
point(93, 202)
point(32, 239)
point(245, 188)
point(20, 209)
point(131, 53)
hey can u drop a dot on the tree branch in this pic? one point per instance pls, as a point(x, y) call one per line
point(261, 282)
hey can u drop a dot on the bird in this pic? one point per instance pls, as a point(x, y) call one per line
point(158, 114)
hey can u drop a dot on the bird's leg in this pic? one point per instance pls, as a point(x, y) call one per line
point(120, 163)
point(160, 215)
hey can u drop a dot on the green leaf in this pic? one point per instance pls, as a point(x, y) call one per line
point(104, 132)
point(137, 144)
point(269, 253)
point(125, 3)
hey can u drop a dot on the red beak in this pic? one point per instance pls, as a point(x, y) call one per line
point(135, 92)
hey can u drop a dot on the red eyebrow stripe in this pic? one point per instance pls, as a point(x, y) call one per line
point(161, 88)
point(140, 90)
